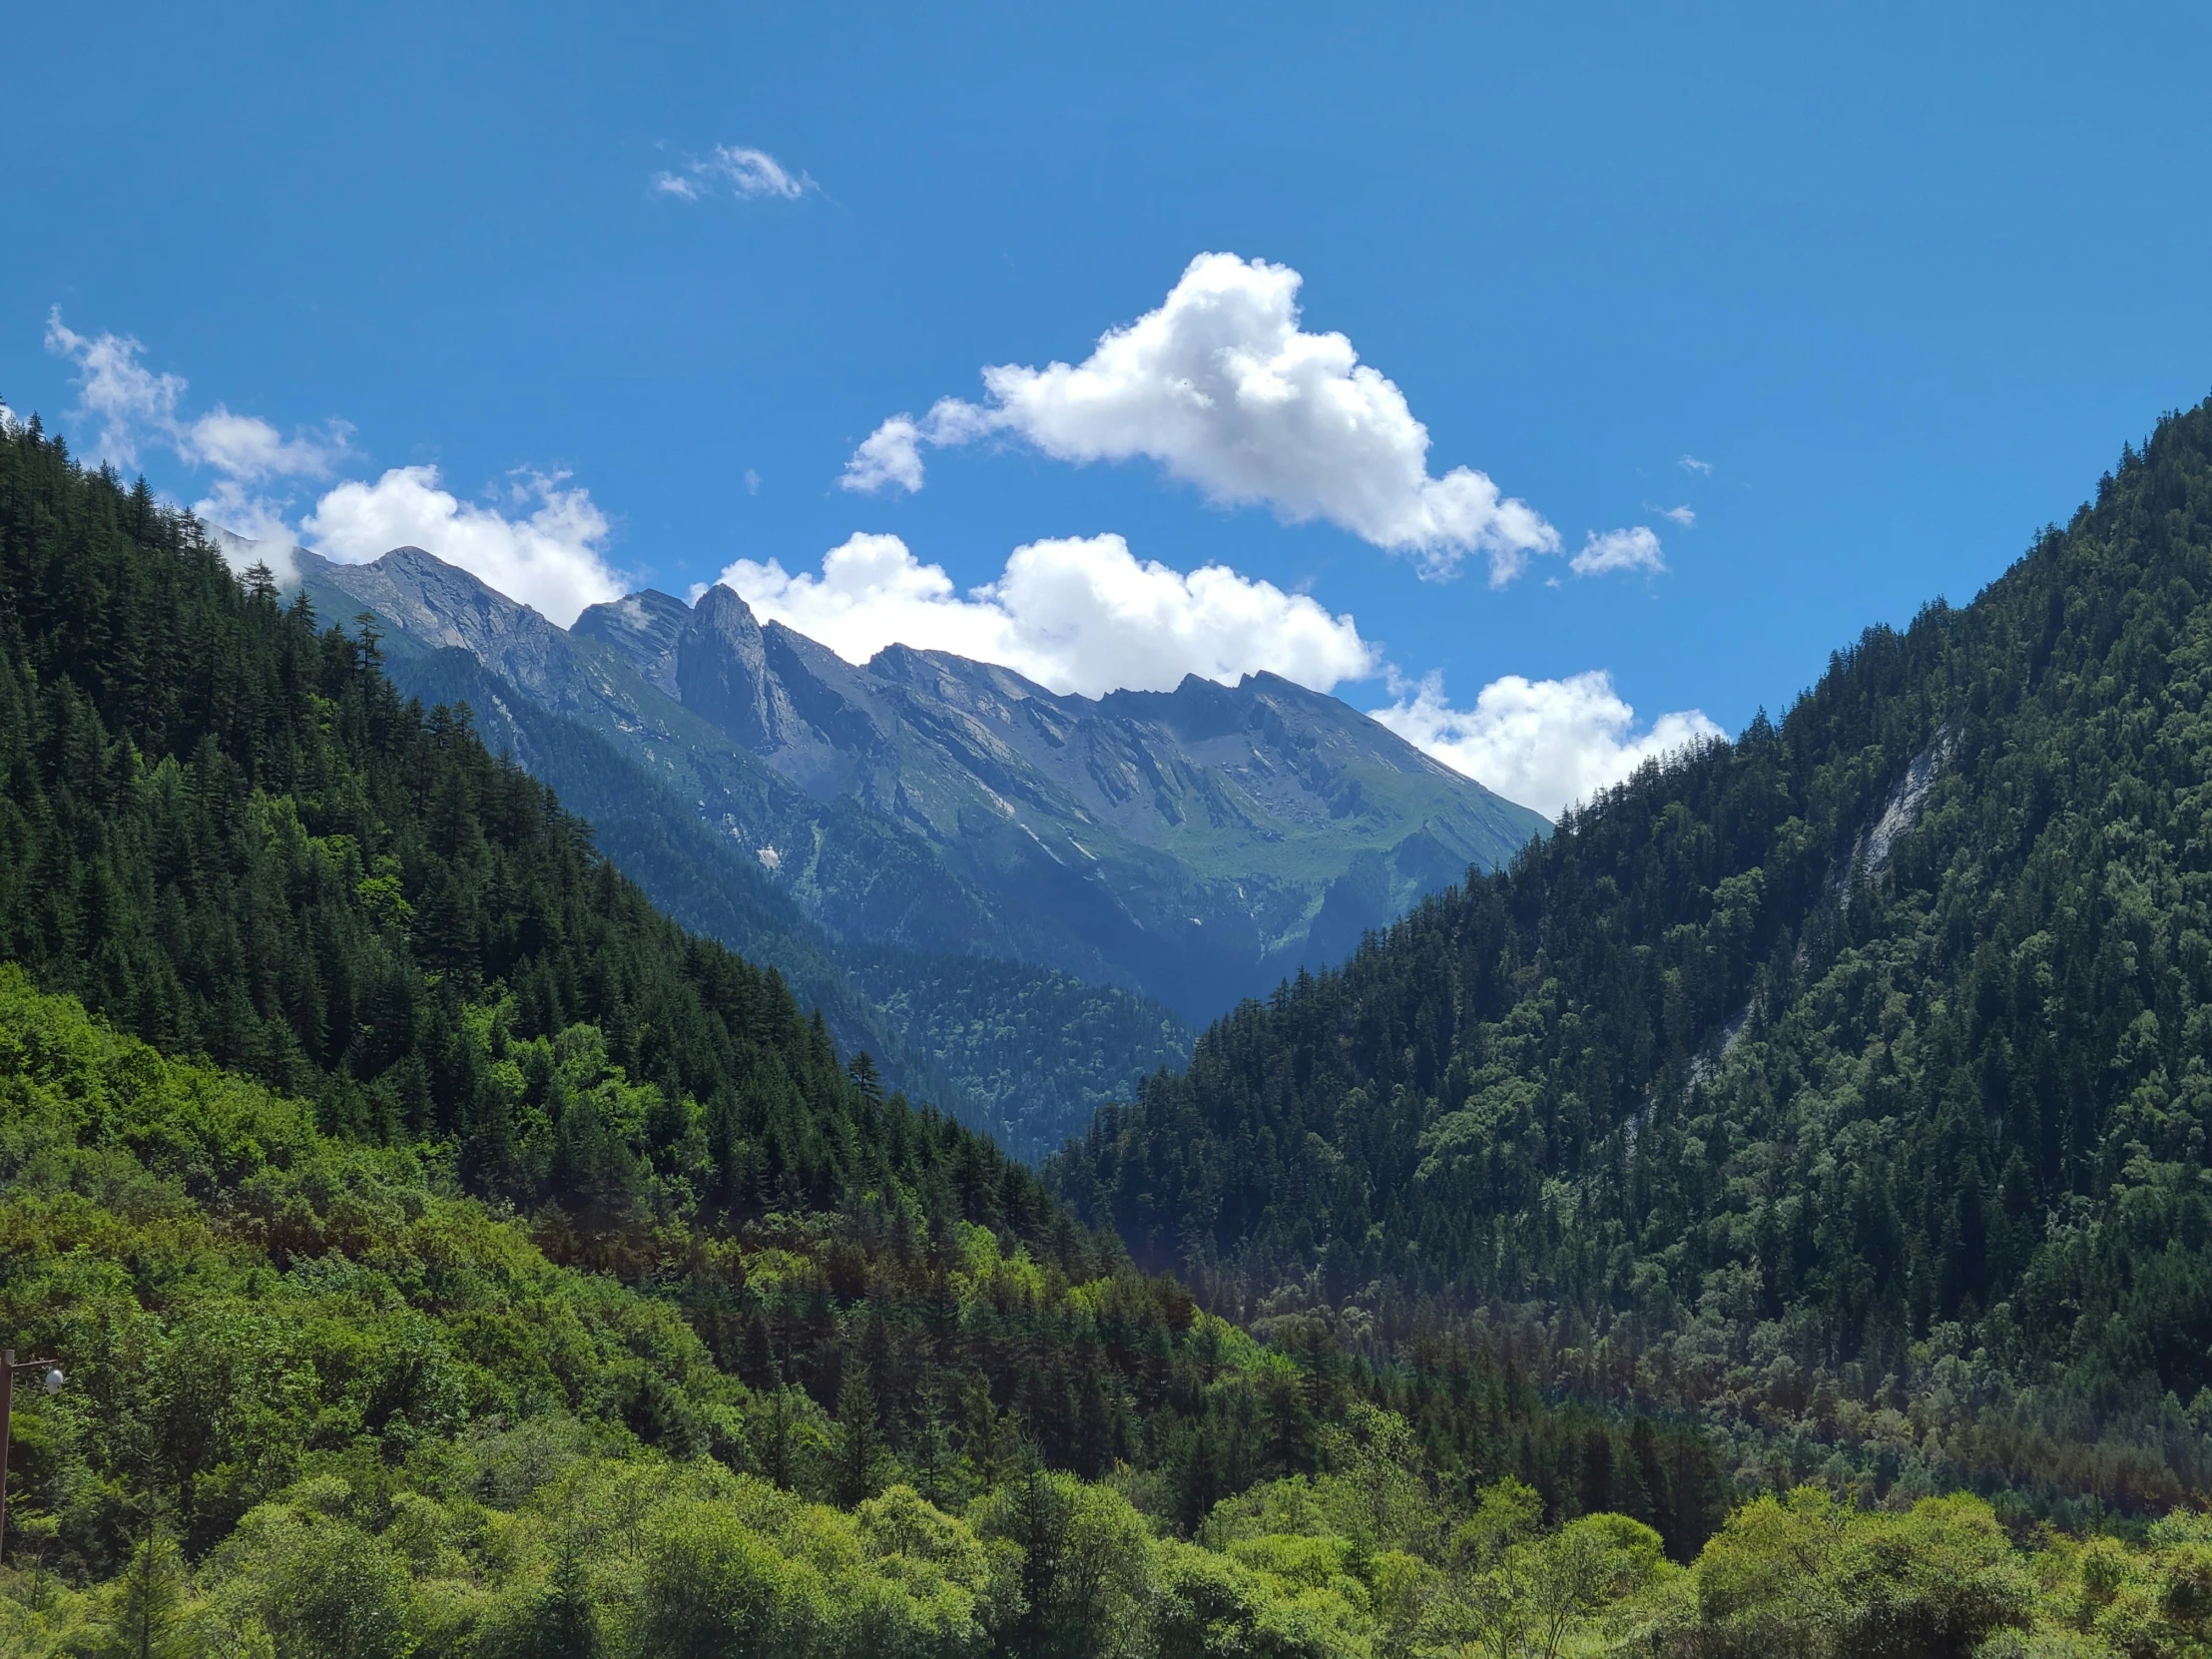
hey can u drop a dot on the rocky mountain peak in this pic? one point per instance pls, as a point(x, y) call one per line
point(1197, 843)
point(645, 627)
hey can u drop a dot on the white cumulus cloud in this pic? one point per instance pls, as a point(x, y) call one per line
point(553, 559)
point(1544, 743)
point(743, 172)
point(1076, 615)
point(1224, 388)
point(890, 457)
point(1636, 549)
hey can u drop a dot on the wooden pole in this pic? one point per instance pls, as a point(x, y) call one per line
point(7, 1410)
point(9, 1366)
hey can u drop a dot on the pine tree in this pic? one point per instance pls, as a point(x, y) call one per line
point(563, 1621)
point(860, 1449)
point(153, 1612)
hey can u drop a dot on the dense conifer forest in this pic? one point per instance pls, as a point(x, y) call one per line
point(452, 1256)
point(462, 1139)
point(1846, 1084)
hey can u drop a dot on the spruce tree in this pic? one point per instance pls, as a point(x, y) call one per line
point(151, 1615)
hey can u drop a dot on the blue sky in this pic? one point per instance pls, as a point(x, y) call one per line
point(1904, 281)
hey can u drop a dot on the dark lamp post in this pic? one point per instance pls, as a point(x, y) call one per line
point(9, 1366)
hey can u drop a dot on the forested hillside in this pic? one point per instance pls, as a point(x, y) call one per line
point(322, 1408)
point(1846, 1083)
point(1040, 1050)
point(452, 1256)
point(488, 1257)
point(224, 830)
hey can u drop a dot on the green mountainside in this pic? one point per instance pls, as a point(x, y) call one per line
point(455, 1258)
point(1847, 1084)
point(322, 1404)
point(322, 1408)
point(451, 1255)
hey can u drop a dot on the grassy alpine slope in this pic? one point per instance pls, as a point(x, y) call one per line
point(1847, 1083)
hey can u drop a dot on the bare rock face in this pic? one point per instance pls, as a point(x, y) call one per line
point(644, 627)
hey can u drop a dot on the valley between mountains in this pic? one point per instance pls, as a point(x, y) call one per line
point(702, 1151)
point(1020, 901)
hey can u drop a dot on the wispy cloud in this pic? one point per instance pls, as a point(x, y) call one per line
point(737, 170)
point(544, 543)
point(1690, 463)
point(133, 407)
point(1684, 515)
point(1631, 549)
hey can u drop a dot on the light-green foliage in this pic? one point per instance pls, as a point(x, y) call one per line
point(1082, 1550)
point(1204, 1604)
point(151, 1612)
point(244, 1300)
point(383, 1426)
point(1805, 1575)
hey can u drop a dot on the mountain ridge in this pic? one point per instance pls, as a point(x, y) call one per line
point(1195, 845)
point(1155, 768)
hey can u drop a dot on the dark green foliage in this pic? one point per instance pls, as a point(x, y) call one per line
point(1025, 1053)
point(229, 834)
point(1858, 1064)
point(223, 829)
point(1039, 1050)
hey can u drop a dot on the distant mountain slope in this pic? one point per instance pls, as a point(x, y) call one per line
point(1201, 842)
point(1853, 1081)
point(1196, 844)
point(471, 645)
point(702, 878)
point(1038, 1050)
